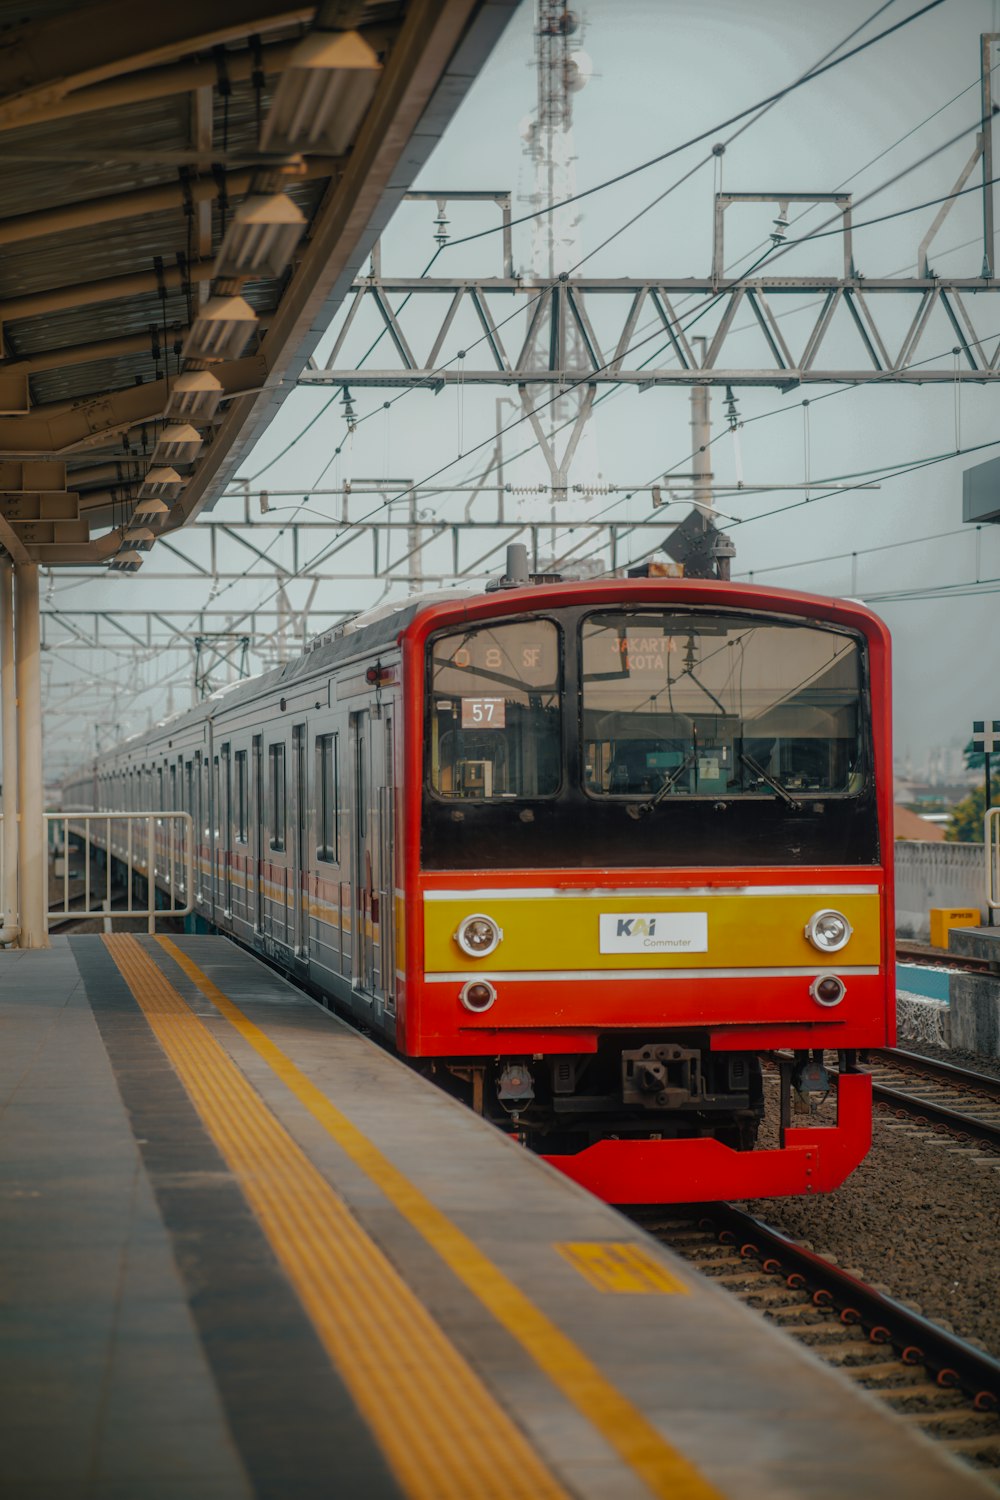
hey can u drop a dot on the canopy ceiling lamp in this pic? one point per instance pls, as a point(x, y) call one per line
point(261, 237)
point(221, 329)
point(161, 484)
point(195, 395)
point(127, 560)
point(148, 508)
point(178, 443)
point(323, 94)
point(139, 537)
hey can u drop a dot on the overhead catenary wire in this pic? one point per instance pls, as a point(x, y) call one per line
point(757, 111)
point(713, 130)
point(695, 315)
point(773, 99)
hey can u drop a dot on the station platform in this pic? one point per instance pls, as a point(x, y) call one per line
point(244, 1252)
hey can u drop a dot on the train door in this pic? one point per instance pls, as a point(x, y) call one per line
point(298, 851)
point(372, 856)
point(361, 855)
point(257, 851)
point(215, 803)
point(387, 866)
point(226, 833)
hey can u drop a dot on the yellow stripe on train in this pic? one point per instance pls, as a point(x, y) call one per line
point(555, 931)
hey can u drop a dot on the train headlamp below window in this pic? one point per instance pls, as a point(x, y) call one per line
point(477, 995)
point(478, 935)
point(827, 989)
point(829, 931)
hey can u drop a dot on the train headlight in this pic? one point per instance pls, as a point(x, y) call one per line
point(477, 995)
point(478, 935)
point(827, 989)
point(829, 931)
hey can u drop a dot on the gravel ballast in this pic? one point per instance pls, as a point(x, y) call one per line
point(920, 1219)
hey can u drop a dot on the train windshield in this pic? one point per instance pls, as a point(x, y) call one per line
point(677, 705)
point(495, 712)
point(638, 735)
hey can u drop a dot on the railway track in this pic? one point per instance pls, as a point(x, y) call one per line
point(930, 1378)
point(937, 1093)
point(935, 958)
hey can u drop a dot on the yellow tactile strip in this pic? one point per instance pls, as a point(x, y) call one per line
point(443, 1433)
point(614, 1267)
point(665, 1471)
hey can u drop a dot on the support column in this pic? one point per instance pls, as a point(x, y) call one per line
point(34, 854)
point(8, 739)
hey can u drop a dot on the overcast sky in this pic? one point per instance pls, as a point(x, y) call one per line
point(663, 71)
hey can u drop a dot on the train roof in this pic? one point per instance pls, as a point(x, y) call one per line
point(379, 629)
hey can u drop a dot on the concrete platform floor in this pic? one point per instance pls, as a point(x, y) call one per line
point(245, 1252)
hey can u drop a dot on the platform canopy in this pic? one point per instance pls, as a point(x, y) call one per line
point(189, 190)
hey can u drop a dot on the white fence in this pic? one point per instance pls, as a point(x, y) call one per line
point(159, 847)
point(936, 875)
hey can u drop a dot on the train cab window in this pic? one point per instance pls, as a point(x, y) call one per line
point(677, 705)
point(241, 797)
point(328, 797)
point(276, 788)
point(495, 712)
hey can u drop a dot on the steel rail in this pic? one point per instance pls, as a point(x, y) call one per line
point(954, 1363)
point(937, 1068)
point(926, 1111)
point(921, 955)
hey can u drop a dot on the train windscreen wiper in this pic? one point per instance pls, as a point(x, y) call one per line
point(771, 781)
point(638, 809)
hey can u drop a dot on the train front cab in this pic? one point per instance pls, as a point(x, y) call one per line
point(651, 846)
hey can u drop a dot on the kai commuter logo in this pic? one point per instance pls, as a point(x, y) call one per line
point(635, 927)
point(654, 932)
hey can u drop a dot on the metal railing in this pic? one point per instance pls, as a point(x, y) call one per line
point(158, 846)
point(991, 840)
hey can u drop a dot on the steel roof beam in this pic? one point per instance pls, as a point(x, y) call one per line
point(116, 206)
point(150, 83)
point(89, 44)
point(75, 426)
point(108, 289)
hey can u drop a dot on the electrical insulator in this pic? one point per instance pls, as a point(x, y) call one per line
point(780, 226)
point(732, 414)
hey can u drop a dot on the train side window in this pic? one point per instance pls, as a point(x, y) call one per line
point(328, 783)
point(276, 782)
point(241, 797)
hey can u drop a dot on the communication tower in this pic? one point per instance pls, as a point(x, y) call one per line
point(562, 69)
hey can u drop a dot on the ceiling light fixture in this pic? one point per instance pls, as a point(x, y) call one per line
point(323, 94)
point(178, 443)
point(161, 484)
point(221, 329)
point(139, 537)
point(261, 237)
point(195, 394)
point(149, 507)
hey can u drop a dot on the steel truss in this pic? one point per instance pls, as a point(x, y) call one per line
point(592, 330)
point(623, 358)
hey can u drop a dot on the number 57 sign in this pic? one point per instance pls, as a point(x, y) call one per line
point(483, 713)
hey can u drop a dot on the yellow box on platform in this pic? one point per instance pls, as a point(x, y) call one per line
point(944, 918)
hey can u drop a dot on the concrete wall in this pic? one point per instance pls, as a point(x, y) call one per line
point(936, 875)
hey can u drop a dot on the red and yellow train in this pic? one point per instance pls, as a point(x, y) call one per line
point(587, 851)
